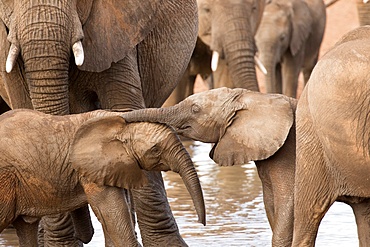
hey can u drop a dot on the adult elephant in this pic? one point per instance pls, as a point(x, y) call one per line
point(333, 137)
point(363, 11)
point(225, 39)
point(288, 41)
point(128, 55)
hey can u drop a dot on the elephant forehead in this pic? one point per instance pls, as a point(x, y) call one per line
point(212, 97)
point(150, 133)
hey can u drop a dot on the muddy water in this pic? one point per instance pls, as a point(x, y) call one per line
point(235, 211)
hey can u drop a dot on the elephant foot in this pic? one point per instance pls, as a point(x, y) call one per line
point(173, 240)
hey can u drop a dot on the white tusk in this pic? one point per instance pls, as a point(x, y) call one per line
point(214, 62)
point(12, 57)
point(78, 52)
point(260, 65)
point(366, 1)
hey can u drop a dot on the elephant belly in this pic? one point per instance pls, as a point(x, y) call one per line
point(37, 201)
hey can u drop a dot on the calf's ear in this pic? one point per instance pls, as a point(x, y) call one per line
point(257, 132)
point(100, 154)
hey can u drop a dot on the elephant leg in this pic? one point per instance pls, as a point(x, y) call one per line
point(277, 177)
point(221, 76)
point(155, 219)
point(58, 230)
point(362, 214)
point(311, 202)
point(283, 185)
point(84, 229)
point(268, 195)
point(112, 210)
point(121, 87)
point(117, 88)
point(314, 186)
point(26, 232)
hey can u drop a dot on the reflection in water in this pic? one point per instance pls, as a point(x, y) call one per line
point(235, 211)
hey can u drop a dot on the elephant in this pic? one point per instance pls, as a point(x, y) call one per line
point(363, 11)
point(74, 56)
point(84, 158)
point(333, 138)
point(245, 126)
point(232, 119)
point(226, 39)
point(288, 42)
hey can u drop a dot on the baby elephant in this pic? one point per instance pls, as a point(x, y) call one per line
point(246, 126)
point(54, 164)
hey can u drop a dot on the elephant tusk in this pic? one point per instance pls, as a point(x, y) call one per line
point(260, 65)
point(78, 52)
point(12, 57)
point(214, 62)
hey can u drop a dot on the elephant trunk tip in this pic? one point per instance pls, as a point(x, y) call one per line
point(202, 219)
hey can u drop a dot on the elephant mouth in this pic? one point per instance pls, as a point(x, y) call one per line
point(212, 152)
point(183, 129)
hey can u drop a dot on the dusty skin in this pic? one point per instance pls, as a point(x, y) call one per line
point(341, 18)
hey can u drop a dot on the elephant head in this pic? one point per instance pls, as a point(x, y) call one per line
point(228, 28)
point(245, 125)
point(108, 151)
point(284, 28)
point(41, 35)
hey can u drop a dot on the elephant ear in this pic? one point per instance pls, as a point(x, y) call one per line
point(301, 25)
point(99, 153)
point(113, 28)
point(256, 132)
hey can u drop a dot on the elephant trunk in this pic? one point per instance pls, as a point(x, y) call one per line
point(164, 115)
point(273, 80)
point(46, 39)
point(239, 50)
point(48, 79)
point(181, 163)
point(240, 60)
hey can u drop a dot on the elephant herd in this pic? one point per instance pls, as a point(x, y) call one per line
point(86, 80)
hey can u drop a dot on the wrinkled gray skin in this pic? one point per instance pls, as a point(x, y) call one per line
point(80, 159)
point(363, 11)
point(228, 27)
point(288, 42)
point(333, 138)
point(231, 118)
point(120, 71)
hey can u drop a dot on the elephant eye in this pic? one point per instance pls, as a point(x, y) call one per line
point(282, 37)
point(205, 7)
point(195, 108)
point(155, 150)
